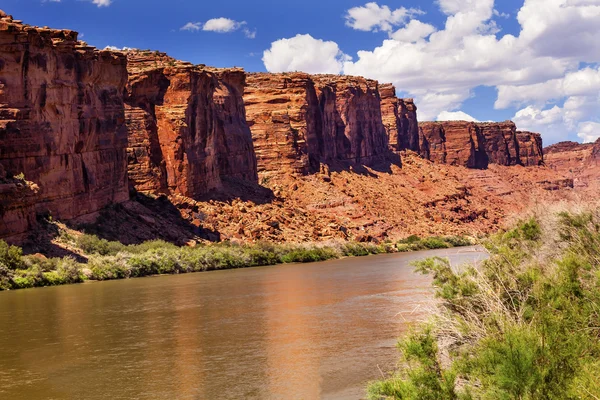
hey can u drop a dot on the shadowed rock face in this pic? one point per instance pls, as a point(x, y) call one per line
point(299, 121)
point(400, 120)
point(61, 125)
point(187, 126)
point(476, 145)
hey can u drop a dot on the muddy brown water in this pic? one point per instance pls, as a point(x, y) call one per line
point(286, 332)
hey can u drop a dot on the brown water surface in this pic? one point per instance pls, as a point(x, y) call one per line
point(287, 332)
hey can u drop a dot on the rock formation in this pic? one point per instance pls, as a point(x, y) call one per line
point(299, 121)
point(61, 125)
point(187, 126)
point(400, 119)
point(476, 145)
point(580, 162)
point(531, 151)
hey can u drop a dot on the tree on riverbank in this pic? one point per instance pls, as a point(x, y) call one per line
point(523, 325)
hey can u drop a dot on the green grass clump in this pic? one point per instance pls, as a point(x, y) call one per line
point(522, 325)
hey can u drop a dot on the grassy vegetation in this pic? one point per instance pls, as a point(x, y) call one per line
point(523, 325)
point(113, 260)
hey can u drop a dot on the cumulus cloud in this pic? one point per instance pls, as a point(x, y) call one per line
point(455, 116)
point(304, 53)
point(549, 70)
point(372, 17)
point(222, 25)
point(414, 31)
point(589, 131)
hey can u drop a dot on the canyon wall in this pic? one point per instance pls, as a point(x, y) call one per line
point(476, 145)
point(400, 119)
point(61, 126)
point(187, 126)
point(299, 121)
point(580, 162)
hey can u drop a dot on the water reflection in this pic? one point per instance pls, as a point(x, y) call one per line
point(287, 332)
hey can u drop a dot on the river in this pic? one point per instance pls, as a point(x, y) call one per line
point(300, 331)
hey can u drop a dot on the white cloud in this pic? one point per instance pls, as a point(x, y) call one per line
point(589, 131)
point(222, 25)
point(304, 53)
point(102, 3)
point(250, 33)
point(372, 17)
point(455, 116)
point(191, 27)
point(414, 31)
point(114, 48)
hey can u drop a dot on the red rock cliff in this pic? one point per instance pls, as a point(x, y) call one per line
point(475, 145)
point(187, 126)
point(400, 119)
point(299, 121)
point(580, 162)
point(61, 124)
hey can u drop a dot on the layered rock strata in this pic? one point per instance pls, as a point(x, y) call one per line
point(400, 119)
point(476, 145)
point(187, 126)
point(61, 125)
point(580, 162)
point(299, 121)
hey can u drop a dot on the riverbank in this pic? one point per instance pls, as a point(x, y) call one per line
point(96, 259)
point(523, 325)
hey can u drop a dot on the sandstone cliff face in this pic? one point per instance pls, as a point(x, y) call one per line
point(61, 124)
point(476, 145)
point(299, 121)
point(187, 126)
point(531, 151)
point(400, 120)
point(580, 162)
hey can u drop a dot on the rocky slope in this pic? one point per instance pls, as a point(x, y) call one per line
point(299, 121)
point(476, 145)
point(187, 126)
point(580, 162)
point(61, 125)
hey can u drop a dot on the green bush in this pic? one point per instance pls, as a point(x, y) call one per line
point(522, 325)
point(435, 243)
point(10, 256)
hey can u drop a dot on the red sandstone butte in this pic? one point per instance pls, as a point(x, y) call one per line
point(400, 119)
point(61, 125)
point(299, 121)
point(477, 144)
point(187, 126)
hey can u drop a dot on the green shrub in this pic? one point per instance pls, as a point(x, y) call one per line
point(10, 256)
point(435, 243)
point(412, 239)
point(458, 241)
point(522, 325)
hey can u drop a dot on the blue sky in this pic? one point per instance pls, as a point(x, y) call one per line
point(480, 59)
